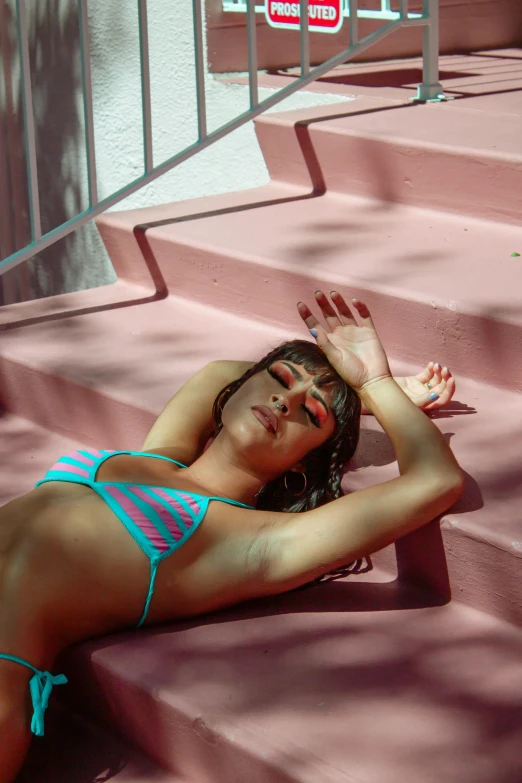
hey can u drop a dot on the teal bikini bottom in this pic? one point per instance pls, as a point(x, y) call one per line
point(40, 685)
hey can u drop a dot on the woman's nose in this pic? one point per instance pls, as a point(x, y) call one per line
point(280, 402)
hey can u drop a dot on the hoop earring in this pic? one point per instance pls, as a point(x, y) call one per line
point(295, 494)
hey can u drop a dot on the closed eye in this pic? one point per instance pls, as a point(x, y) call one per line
point(281, 380)
point(313, 418)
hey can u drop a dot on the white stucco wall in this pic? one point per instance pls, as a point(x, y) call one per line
point(233, 163)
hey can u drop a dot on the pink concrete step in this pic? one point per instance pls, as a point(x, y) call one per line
point(27, 450)
point(105, 375)
point(438, 283)
point(102, 377)
point(479, 559)
point(75, 750)
point(442, 156)
point(342, 683)
point(489, 81)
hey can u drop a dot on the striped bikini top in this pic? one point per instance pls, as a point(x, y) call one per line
point(159, 519)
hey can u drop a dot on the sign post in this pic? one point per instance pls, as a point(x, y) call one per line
point(325, 16)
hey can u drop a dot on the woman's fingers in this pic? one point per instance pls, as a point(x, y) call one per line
point(329, 314)
point(344, 316)
point(426, 376)
point(307, 316)
point(364, 313)
point(445, 389)
point(343, 308)
point(317, 330)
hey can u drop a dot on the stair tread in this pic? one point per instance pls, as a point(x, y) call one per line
point(445, 260)
point(300, 682)
point(488, 81)
point(453, 125)
point(26, 453)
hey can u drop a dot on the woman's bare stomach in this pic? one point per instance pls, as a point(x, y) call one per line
point(68, 564)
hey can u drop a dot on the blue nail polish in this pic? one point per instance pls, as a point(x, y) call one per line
point(314, 334)
point(433, 397)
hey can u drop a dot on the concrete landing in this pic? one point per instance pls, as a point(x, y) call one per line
point(489, 81)
point(343, 683)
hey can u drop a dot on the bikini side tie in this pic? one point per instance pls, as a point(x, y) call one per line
point(40, 686)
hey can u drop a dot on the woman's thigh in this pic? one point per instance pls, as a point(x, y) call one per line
point(15, 719)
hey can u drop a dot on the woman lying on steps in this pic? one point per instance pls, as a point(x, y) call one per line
point(110, 540)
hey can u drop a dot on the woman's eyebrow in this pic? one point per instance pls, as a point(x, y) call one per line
point(297, 375)
point(314, 393)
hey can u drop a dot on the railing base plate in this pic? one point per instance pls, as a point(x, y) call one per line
point(431, 93)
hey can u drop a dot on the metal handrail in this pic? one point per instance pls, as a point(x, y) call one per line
point(429, 90)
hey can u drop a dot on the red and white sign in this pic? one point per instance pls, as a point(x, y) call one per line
point(325, 15)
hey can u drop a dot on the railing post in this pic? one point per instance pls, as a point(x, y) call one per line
point(304, 37)
point(145, 85)
point(200, 70)
point(430, 89)
point(252, 53)
point(354, 22)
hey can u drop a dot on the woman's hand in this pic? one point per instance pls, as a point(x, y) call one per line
point(434, 379)
point(355, 351)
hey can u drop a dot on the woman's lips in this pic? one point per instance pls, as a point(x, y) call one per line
point(266, 417)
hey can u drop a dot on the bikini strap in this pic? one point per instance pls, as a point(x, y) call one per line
point(40, 686)
point(231, 502)
point(153, 571)
point(155, 456)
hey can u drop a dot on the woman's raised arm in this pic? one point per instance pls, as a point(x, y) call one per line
point(307, 545)
point(185, 424)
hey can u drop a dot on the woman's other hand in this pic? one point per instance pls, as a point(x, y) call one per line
point(354, 350)
point(434, 379)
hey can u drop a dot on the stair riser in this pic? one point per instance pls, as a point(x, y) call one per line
point(469, 571)
point(61, 406)
point(178, 741)
point(234, 700)
point(77, 751)
point(481, 186)
point(130, 259)
point(414, 330)
point(484, 577)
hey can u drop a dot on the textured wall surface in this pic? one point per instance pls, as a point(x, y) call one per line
point(79, 261)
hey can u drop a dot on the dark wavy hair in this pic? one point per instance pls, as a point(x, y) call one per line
point(324, 465)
